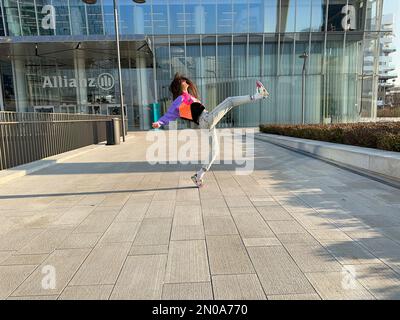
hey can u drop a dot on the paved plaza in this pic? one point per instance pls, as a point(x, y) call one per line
point(108, 225)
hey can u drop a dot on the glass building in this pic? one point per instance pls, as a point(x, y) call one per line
point(60, 56)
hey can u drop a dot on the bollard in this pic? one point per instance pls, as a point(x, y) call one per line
point(113, 132)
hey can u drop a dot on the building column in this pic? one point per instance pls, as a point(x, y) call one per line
point(81, 91)
point(142, 92)
point(21, 98)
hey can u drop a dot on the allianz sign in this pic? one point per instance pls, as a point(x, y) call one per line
point(104, 81)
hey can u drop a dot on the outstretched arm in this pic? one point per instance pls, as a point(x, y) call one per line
point(171, 115)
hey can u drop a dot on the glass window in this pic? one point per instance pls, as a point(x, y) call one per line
point(177, 18)
point(209, 57)
point(108, 13)
point(316, 56)
point(160, 17)
point(193, 58)
point(270, 56)
point(303, 16)
point(239, 56)
point(288, 15)
point(318, 8)
point(194, 18)
point(2, 31)
point(286, 59)
point(270, 14)
point(62, 17)
point(225, 18)
point(162, 59)
point(6, 79)
point(343, 17)
point(178, 55)
point(12, 18)
point(210, 13)
point(78, 17)
point(95, 18)
point(255, 57)
point(335, 79)
point(240, 16)
point(46, 14)
point(256, 16)
point(125, 11)
point(143, 10)
point(224, 57)
point(28, 18)
point(301, 47)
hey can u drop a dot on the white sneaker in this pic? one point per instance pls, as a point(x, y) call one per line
point(198, 182)
point(261, 90)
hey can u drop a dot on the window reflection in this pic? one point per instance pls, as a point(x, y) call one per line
point(256, 16)
point(2, 31)
point(177, 18)
point(78, 17)
point(317, 16)
point(225, 17)
point(270, 15)
point(95, 19)
point(12, 18)
point(303, 16)
point(62, 17)
point(160, 17)
point(288, 16)
point(240, 16)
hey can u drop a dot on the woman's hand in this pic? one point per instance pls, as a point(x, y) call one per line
point(156, 125)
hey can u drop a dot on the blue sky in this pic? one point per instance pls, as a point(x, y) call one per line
point(393, 6)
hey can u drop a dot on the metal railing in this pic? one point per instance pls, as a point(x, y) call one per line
point(27, 137)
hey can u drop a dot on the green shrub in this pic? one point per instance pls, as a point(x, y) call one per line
point(389, 141)
point(385, 135)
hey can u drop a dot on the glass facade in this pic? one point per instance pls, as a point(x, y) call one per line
point(223, 45)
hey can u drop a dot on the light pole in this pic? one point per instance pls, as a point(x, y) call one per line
point(303, 87)
point(116, 22)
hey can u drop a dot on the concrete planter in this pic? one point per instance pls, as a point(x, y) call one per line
point(378, 162)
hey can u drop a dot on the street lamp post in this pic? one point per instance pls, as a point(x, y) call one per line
point(121, 94)
point(303, 87)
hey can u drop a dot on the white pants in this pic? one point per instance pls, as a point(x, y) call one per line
point(209, 120)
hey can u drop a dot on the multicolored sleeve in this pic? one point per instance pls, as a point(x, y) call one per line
point(172, 113)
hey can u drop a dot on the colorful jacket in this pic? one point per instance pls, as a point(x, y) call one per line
point(185, 107)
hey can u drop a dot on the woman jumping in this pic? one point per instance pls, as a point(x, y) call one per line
point(187, 106)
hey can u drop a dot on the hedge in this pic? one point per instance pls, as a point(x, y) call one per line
point(383, 135)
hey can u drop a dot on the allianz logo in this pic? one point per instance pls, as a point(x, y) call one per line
point(104, 81)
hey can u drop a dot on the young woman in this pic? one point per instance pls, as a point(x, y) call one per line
point(187, 106)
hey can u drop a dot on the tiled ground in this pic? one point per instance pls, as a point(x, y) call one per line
point(115, 227)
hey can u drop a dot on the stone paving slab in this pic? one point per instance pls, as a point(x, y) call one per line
point(277, 271)
point(333, 286)
point(187, 262)
point(11, 277)
point(119, 228)
point(103, 264)
point(219, 226)
point(301, 297)
point(120, 232)
point(187, 291)
point(228, 255)
point(47, 241)
point(64, 262)
point(238, 287)
point(153, 232)
point(141, 278)
point(101, 292)
point(24, 259)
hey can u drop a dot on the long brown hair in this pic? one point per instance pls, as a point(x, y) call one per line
point(176, 89)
